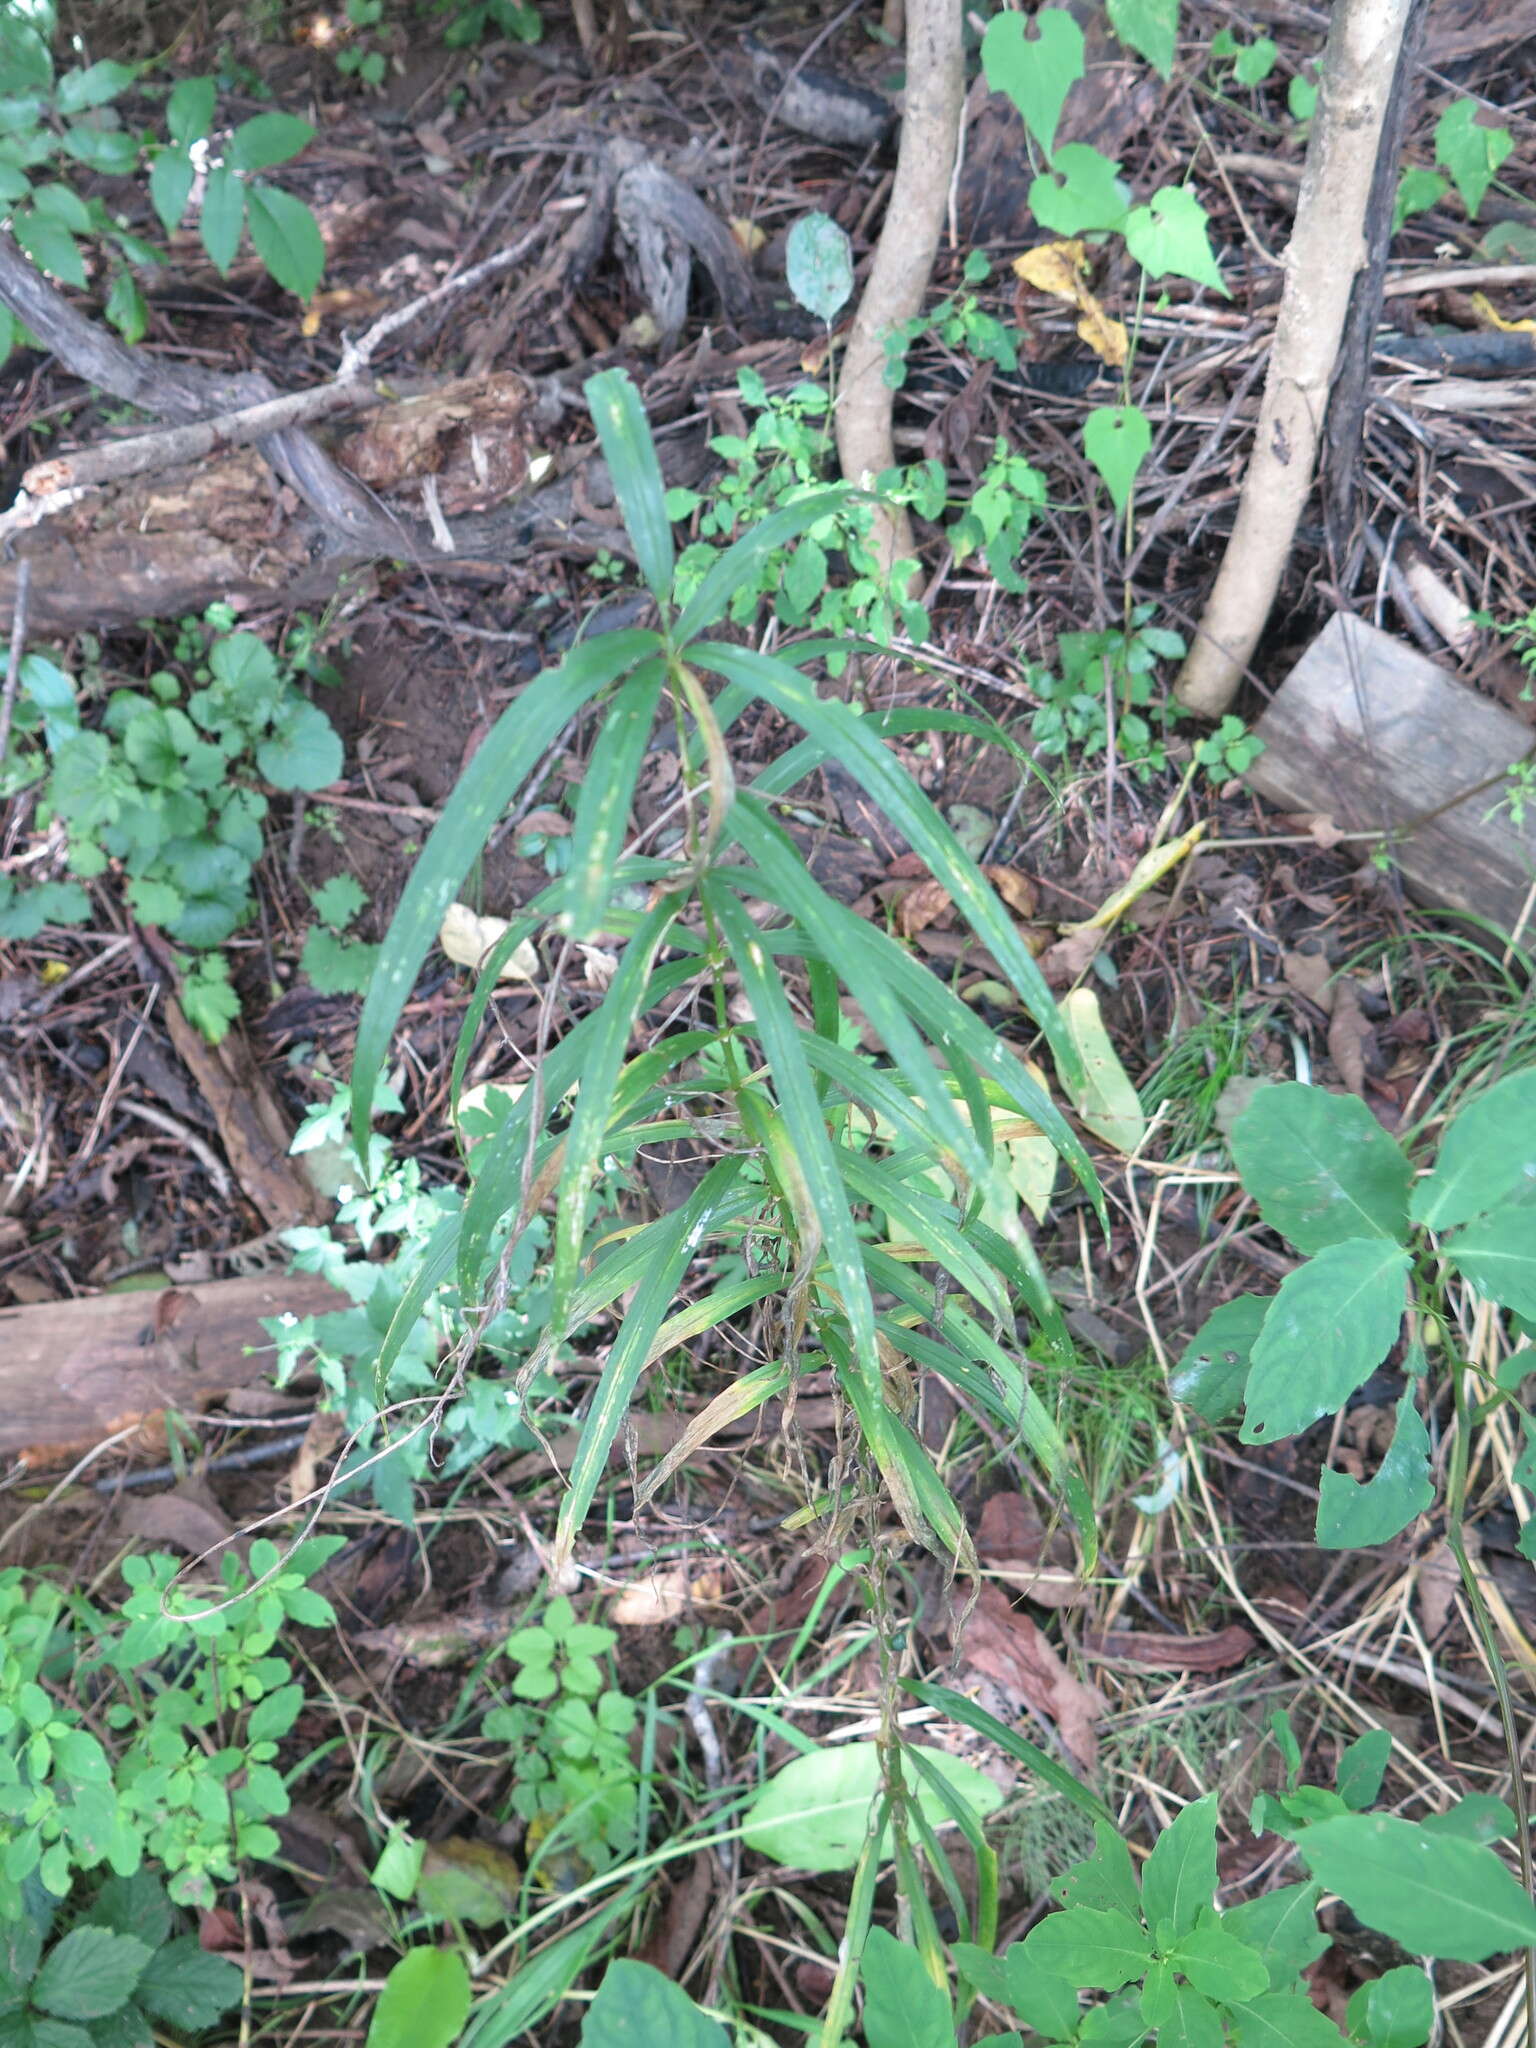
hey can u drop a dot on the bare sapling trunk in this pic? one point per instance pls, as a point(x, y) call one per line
point(909, 240)
point(1326, 250)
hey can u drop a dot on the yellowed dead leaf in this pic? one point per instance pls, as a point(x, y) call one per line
point(1059, 269)
point(665, 1595)
point(466, 938)
point(1016, 890)
point(1148, 871)
point(749, 236)
point(1107, 1103)
point(922, 904)
point(1483, 307)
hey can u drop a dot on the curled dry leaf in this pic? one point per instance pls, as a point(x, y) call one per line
point(1015, 1547)
point(1016, 890)
point(466, 938)
point(1005, 1646)
point(1217, 1652)
point(921, 906)
point(664, 1595)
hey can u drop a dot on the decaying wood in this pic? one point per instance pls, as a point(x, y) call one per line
point(1375, 736)
point(73, 1373)
point(1322, 258)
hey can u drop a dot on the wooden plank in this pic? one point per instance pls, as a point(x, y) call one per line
point(1376, 736)
point(73, 1373)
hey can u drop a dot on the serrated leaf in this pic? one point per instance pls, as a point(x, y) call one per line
point(1116, 439)
point(1331, 1324)
point(1320, 1167)
point(25, 912)
point(303, 749)
point(1178, 1880)
point(287, 238)
point(637, 2007)
point(1487, 1154)
point(339, 900)
point(1435, 1894)
point(814, 1813)
point(1213, 1369)
point(903, 2007)
point(88, 1974)
point(1035, 71)
point(222, 220)
point(1096, 1950)
point(1352, 1514)
point(185, 1986)
point(424, 2003)
point(819, 265)
point(1497, 1254)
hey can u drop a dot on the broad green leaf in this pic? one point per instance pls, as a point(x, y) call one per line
point(1470, 152)
point(637, 2007)
point(268, 139)
point(1082, 191)
point(1435, 1894)
point(835, 725)
point(1361, 1768)
point(1168, 237)
point(1353, 1514)
point(1320, 1167)
point(1211, 1374)
point(1497, 1253)
point(1106, 1101)
point(1178, 1880)
point(630, 453)
point(1331, 1324)
point(1035, 71)
point(607, 791)
point(1116, 439)
point(51, 247)
point(671, 1246)
point(1479, 1817)
point(969, 1715)
point(1044, 2003)
point(1218, 1964)
point(1150, 28)
point(819, 265)
point(222, 220)
point(1395, 2010)
point(1487, 1154)
point(302, 751)
point(287, 238)
point(1097, 1951)
point(516, 744)
point(90, 1973)
point(95, 86)
point(1284, 2019)
point(189, 110)
point(814, 1813)
point(903, 2007)
point(424, 2003)
point(1106, 1879)
point(1281, 1927)
point(1193, 2023)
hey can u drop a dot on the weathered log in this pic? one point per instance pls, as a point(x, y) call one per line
point(1375, 736)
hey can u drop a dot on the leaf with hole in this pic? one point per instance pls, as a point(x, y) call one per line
point(1213, 1370)
point(1035, 71)
point(1332, 1323)
point(1353, 1514)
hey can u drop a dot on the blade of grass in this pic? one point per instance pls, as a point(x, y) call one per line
point(607, 791)
point(630, 454)
point(969, 1715)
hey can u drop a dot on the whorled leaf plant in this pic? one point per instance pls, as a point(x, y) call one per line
point(773, 1079)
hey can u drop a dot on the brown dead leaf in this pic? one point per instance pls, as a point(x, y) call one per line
point(663, 1595)
point(1013, 1545)
point(1017, 891)
point(444, 1640)
point(922, 905)
point(1070, 958)
point(189, 1519)
point(325, 1434)
point(1217, 1652)
point(1309, 971)
point(1437, 1584)
point(1004, 1645)
point(1351, 1036)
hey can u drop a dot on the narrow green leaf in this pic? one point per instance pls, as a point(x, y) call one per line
point(1352, 1514)
point(630, 453)
point(222, 219)
point(1178, 1880)
point(536, 1986)
point(1497, 1253)
point(670, 1247)
point(607, 791)
point(835, 725)
point(1487, 1154)
point(485, 988)
point(1320, 1167)
point(516, 744)
point(923, 1222)
point(969, 1715)
point(1330, 1326)
point(1435, 1894)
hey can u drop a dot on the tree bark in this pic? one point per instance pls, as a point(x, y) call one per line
point(909, 240)
point(1326, 250)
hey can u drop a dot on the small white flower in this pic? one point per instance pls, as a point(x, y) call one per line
point(346, 1192)
point(288, 1320)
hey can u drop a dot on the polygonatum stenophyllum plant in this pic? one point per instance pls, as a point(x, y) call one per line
point(734, 928)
